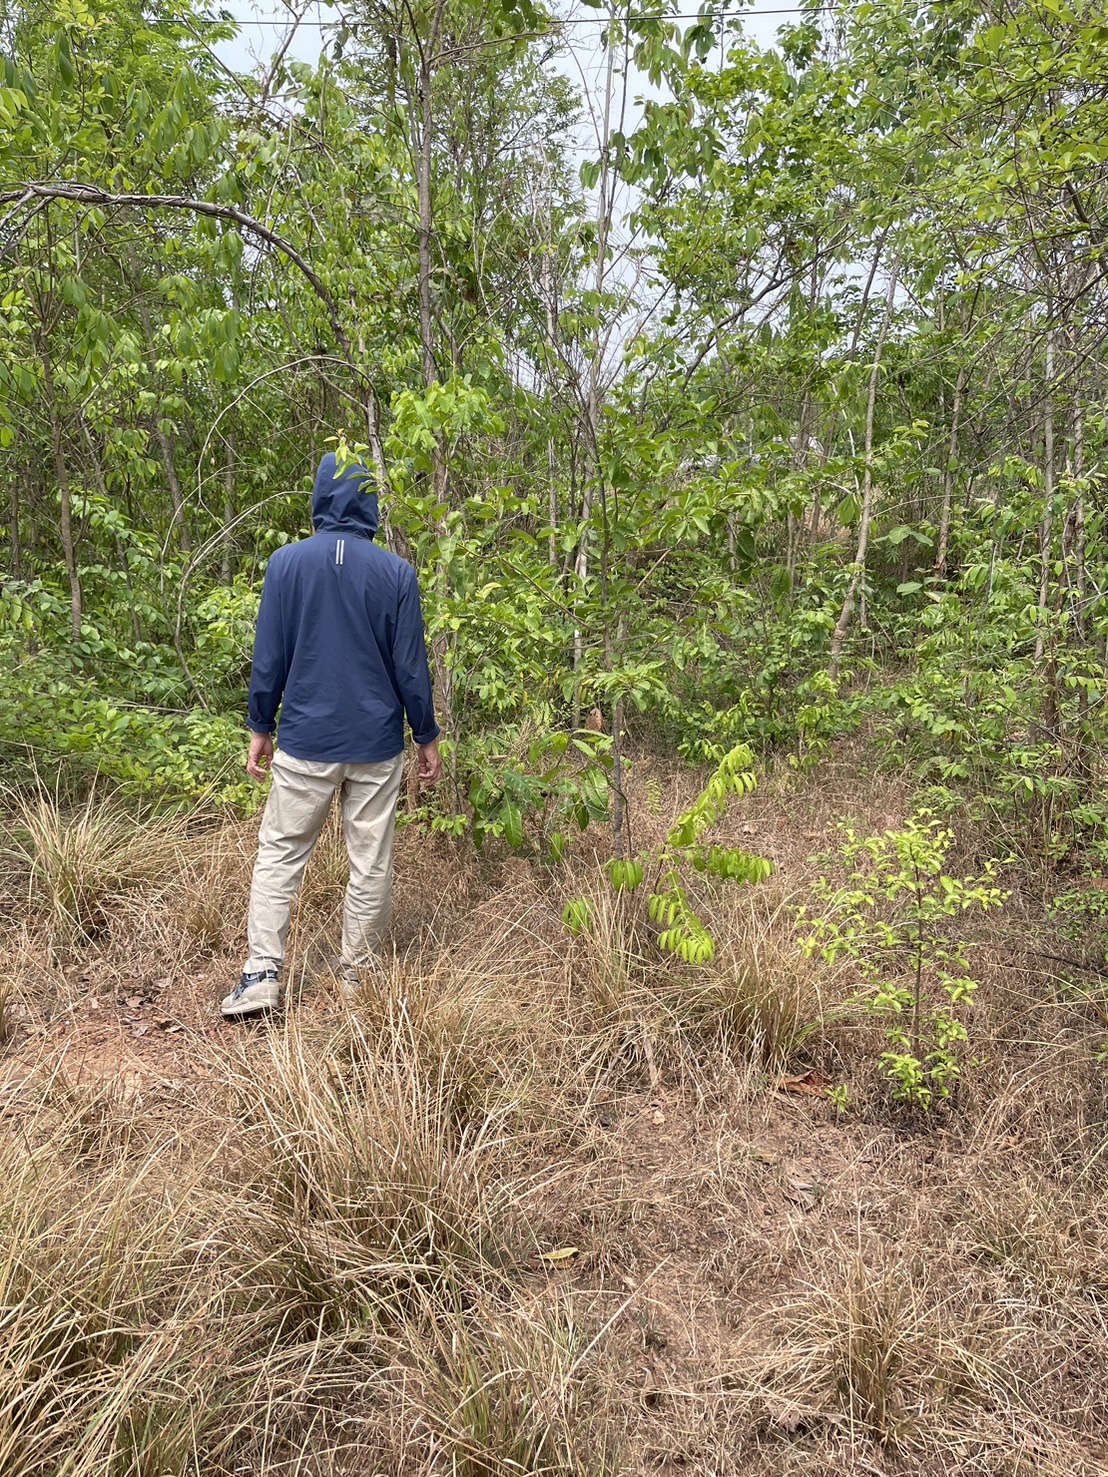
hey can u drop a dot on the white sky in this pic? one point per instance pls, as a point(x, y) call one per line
point(264, 24)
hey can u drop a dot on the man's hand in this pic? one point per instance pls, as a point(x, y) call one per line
point(261, 755)
point(430, 763)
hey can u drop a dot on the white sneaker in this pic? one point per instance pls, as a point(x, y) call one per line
point(351, 977)
point(253, 994)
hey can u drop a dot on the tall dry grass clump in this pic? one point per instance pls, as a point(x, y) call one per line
point(380, 1199)
point(505, 1390)
point(108, 1322)
point(76, 861)
point(334, 1262)
point(359, 1182)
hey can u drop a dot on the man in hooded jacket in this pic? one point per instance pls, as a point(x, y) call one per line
point(340, 649)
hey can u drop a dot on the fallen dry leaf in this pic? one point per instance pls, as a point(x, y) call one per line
point(802, 1191)
point(801, 1184)
point(809, 1084)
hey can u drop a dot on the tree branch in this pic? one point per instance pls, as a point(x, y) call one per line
point(83, 194)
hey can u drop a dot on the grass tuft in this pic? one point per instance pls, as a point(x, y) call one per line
point(78, 861)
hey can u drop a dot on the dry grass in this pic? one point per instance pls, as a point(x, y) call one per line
point(78, 860)
point(536, 1204)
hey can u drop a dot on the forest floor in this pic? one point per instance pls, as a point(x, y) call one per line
point(538, 1203)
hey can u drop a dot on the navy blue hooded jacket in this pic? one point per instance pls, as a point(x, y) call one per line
point(339, 645)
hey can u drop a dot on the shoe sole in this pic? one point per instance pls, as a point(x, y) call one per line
point(261, 1008)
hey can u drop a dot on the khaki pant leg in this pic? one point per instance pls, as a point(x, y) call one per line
point(299, 799)
point(369, 797)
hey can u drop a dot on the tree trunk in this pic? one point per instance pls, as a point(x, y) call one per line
point(842, 625)
point(425, 206)
point(16, 562)
point(424, 133)
point(120, 546)
point(160, 436)
point(1046, 530)
point(593, 399)
point(228, 509)
point(948, 475)
point(1080, 572)
point(619, 801)
point(65, 522)
point(551, 334)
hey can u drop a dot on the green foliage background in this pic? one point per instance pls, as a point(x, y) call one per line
point(781, 412)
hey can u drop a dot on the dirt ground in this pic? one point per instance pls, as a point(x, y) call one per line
point(772, 1286)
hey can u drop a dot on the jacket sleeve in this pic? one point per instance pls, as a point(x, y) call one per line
point(409, 656)
point(269, 669)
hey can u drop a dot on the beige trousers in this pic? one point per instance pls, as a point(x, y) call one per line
point(299, 800)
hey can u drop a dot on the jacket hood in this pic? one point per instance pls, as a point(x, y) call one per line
point(346, 503)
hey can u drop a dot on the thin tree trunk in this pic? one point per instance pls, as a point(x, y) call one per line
point(1080, 573)
point(1085, 759)
point(174, 486)
point(551, 334)
point(803, 438)
point(424, 201)
point(65, 522)
point(619, 802)
point(1046, 529)
point(948, 474)
point(842, 625)
point(593, 396)
point(228, 508)
point(16, 561)
point(160, 436)
point(859, 323)
point(120, 546)
point(394, 538)
point(863, 306)
point(424, 131)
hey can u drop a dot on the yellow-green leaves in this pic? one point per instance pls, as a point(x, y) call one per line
point(625, 876)
point(12, 103)
point(733, 777)
point(680, 929)
point(682, 932)
point(577, 915)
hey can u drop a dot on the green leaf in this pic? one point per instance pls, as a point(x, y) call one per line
point(63, 57)
point(513, 826)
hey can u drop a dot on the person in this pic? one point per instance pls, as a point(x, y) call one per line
point(340, 650)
